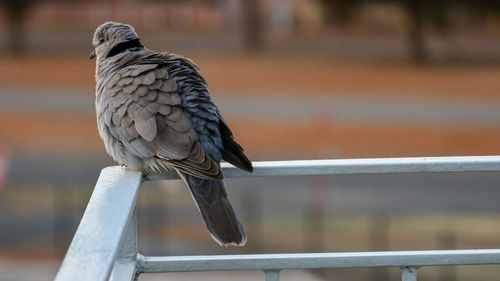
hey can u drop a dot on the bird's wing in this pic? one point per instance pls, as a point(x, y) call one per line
point(214, 132)
point(233, 152)
point(144, 112)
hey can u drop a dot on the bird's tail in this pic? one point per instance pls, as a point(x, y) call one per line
point(220, 219)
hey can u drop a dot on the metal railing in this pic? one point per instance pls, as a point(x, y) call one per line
point(105, 244)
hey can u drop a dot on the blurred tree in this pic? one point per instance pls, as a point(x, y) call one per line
point(15, 11)
point(252, 24)
point(415, 11)
point(421, 13)
point(339, 11)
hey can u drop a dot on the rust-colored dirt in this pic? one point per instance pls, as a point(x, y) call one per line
point(299, 76)
point(31, 131)
point(267, 139)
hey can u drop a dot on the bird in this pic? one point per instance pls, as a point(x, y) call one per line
point(155, 114)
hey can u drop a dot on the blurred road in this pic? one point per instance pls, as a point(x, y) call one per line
point(301, 111)
point(339, 107)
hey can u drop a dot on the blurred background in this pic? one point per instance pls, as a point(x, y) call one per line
point(301, 79)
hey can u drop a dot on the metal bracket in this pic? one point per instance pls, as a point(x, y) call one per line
point(409, 273)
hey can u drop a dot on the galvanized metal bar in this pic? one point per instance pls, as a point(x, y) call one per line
point(124, 270)
point(125, 266)
point(409, 273)
point(272, 275)
point(96, 243)
point(320, 260)
point(105, 244)
point(359, 166)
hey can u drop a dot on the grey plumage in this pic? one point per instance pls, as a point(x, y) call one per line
point(155, 114)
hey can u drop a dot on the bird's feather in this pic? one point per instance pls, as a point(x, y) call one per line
point(154, 113)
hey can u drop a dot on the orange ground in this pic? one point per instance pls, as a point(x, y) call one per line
point(291, 75)
point(267, 139)
point(274, 138)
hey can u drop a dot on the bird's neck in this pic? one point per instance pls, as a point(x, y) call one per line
point(106, 68)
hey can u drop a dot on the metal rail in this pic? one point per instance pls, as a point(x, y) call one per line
point(322, 260)
point(105, 244)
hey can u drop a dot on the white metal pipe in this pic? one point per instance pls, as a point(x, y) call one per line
point(96, 243)
point(359, 166)
point(319, 260)
point(103, 229)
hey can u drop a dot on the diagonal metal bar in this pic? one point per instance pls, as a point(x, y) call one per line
point(96, 243)
point(359, 166)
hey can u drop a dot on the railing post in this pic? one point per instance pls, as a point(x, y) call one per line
point(125, 266)
point(272, 275)
point(104, 226)
point(105, 244)
point(409, 273)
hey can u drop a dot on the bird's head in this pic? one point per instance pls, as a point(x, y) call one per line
point(112, 38)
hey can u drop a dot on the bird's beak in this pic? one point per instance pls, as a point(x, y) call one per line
point(92, 55)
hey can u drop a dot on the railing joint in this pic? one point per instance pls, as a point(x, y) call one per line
point(410, 268)
point(140, 263)
point(272, 274)
point(409, 273)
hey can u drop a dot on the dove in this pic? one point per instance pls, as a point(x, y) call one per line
point(155, 114)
